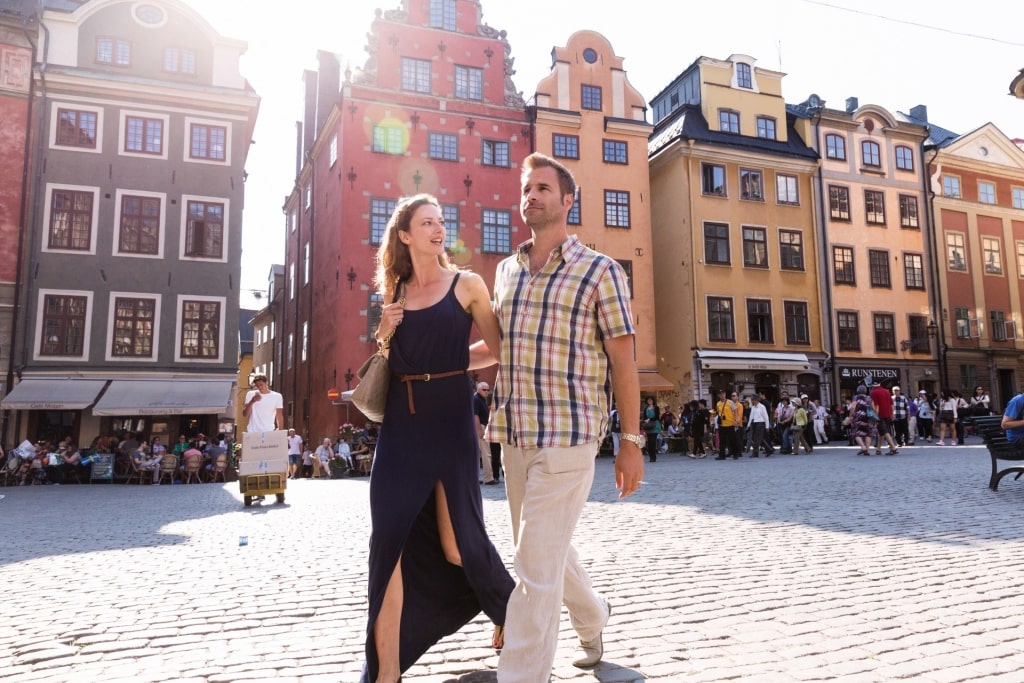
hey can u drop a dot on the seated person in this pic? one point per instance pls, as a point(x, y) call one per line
point(345, 453)
point(146, 461)
point(323, 454)
point(191, 452)
point(1013, 421)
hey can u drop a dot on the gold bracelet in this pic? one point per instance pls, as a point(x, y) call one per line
point(385, 343)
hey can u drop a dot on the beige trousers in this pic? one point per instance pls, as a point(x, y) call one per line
point(485, 459)
point(546, 489)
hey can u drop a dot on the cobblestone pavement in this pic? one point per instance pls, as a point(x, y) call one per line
point(791, 568)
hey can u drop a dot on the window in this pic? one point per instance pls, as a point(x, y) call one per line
point(380, 214)
point(76, 128)
point(955, 251)
point(333, 150)
point(712, 179)
point(71, 216)
point(878, 266)
point(962, 323)
point(986, 192)
point(305, 263)
point(1020, 259)
point(839, 202)
point(443, 146)
point(497, 229)
point(842, 265)
point(64, 325)
point(616, 209)
point(495, 153)
point(291, 281)
point(469, 83)
point(869, 153)
point(615, 152)
point(885, 332)
point(389, 139)
point(786, 189)
point(791, 249)
point(744, 77)
point(450, 213)
point(874, 207)
point(416, 74)
point(797, 323)
point(919, 341)
point(566, 146)
point(307, 197)
point(720, 322)
point(766, 128)
point(908, 212)
point(751, 185)
point(304, 348)
point(200, 329)
point(997, 320)
point(574, 212)
point(759, 320)
point(290, 356)
point(179, 60)
point(627, 266)
point(144, 135)
point(113, 51)
point(835, 147)
point(591, 97)
point(993, 255)
point(904, 158)
point(716, 243)
point(848, 328)
point(134, 321)
point(208, 142)
point(373, 314)
point(755, 247)
point(913, 271)
point(728, 121)
point(951, 186)
point(1017, 195)
point(204, 230)
point(139, 225)
point(442, 14)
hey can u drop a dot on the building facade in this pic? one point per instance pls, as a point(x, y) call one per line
point(142, 126)
point(736, 266)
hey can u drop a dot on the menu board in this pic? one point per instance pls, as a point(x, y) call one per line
point(102, 466)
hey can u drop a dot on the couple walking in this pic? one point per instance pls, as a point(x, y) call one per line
point(560, 328)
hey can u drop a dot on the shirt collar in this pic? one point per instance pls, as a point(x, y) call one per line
point(567, 251)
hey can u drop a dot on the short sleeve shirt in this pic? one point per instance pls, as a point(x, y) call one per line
point(553, 388)
point(264, 411)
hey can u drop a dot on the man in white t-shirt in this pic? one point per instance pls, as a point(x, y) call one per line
point(263, 407)
point(294, 453)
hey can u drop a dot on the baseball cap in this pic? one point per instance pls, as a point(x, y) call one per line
point(922, 392)
point(896, 388)
point(803, 395)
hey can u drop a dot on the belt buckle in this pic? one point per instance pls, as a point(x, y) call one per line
point(426, 377)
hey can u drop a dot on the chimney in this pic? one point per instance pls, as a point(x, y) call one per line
point(328, 86)
point(920, 112)
point(851, 104)
point(309, 79)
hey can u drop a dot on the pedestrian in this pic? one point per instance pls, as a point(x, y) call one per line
point(947, 417)
point(263, 407)
point(925, 415)
point(981, 403)
point(820, 417)
point(567, 347)
point(963, 410)
point(730, 425)
point(881, 401)
point(759, 422)
point(481, 411)
point(323, 455)
point(294, 453)
point(1013, 421)
point(650, 422)
point(615, 430)
point(912, 421)
point(862, 429)
point(900, 417)
point(798, 431)
point(699, 425)
point(432, 567)
point(784, 420)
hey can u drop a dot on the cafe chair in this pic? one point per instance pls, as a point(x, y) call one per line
point(193, 466)
point(168, 468)
point(218, 468)
point(135, 473)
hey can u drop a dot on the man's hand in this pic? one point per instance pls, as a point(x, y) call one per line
point(629, 469)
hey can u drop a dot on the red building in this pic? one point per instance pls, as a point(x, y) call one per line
point(433, 109)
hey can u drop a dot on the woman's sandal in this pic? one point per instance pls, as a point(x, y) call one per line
point(498, 639)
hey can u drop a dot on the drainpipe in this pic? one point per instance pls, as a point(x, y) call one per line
point(695, 346)
point(307, 401)
point(931, 235)
point(830, 342)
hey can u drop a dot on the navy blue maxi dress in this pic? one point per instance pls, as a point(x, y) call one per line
point(414, 452)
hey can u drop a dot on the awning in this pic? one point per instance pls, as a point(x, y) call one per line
point(753, 360)
point(53, 393)
point(164, 397)
point(652, 381)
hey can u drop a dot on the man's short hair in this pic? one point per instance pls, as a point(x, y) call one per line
point(483, 385)
point(260, 378)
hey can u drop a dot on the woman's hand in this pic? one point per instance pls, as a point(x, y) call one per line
point(390, 318)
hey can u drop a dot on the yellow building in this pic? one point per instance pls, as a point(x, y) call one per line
point(736, 257)
point(588, 116)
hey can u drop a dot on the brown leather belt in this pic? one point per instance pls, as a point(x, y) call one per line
point(426, 377)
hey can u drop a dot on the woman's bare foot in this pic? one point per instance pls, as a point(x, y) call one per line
point(498, 639)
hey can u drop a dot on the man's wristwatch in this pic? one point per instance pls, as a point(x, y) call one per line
point(639, 439)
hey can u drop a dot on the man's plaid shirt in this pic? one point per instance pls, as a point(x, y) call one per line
point(899, 408)
point(553, 387)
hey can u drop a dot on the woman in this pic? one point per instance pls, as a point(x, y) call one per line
point(925, 415)
point(981, 404)
point(862, 429)
point(432, 566)
point(650, 422)
point(323, 455)
point(947, 417)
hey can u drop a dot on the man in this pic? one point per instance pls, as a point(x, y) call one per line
point(730, 426)
point(480, 415)
point(265, 410)
point(900, 417)
point(784, 418)
point(881, 401)
point(146, 461)
point(759, 422)
point(1013, 421)
point(294, 453)
point(566, 330)
point(820, 416)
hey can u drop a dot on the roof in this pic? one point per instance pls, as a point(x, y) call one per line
point(937, 135)
point(687, 123)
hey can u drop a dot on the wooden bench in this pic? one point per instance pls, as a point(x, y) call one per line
point(990, 429)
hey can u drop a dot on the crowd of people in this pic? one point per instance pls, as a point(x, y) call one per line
point(348, 454)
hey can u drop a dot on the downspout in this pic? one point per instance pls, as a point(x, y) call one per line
point(932, 230)
point(23, 213)
point(695, 346)
point(309, 284)
point(830, 341)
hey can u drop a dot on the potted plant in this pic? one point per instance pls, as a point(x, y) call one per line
point(338, 467)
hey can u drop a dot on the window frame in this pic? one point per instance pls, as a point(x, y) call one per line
point(185, 301)
point(884, 334)
point(798, 323)
point(913, 271)
point(848, 335)
point(791, 253)
point(588, 93)
point(442, 15)
point(188, 249)
point(379, 214)
point(496, 153)
point(495, 235)
point(64, 322)
point(849, 265)
point(987, 192)
point(951, 187)
point(838, 198)
point(729, 121)
point(1017, 197)
point(721, 241)
point(744, 76)
point(759, 321)
point(614, 151)
point(708, 174)
point(119, 47)
point(192, 125)
point(870, 154)
point(617, 210)
point(469, 83)
point(874, 207)
point(147, 120)
point(442, 146)
point(135, 328)
point(767, 128)
point(992, 255)
point(58, 132)
point(184, 60)
point(910, 217)
point(879, 272)
point(754, 177)
point(955, 240)
point(413, 78)
point(721, 319)
point(904, 158)
point(50, 214)
point(835, 146)
point(790, 187)
point(450, 214)
point(1020, 258)
point(570, 145)
point(752, 237)
point(388, 139)
point(120, 216)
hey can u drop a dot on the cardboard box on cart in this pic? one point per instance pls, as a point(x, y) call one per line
point(264, 453)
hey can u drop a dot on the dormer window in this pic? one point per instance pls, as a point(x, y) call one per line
point(744, 77)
